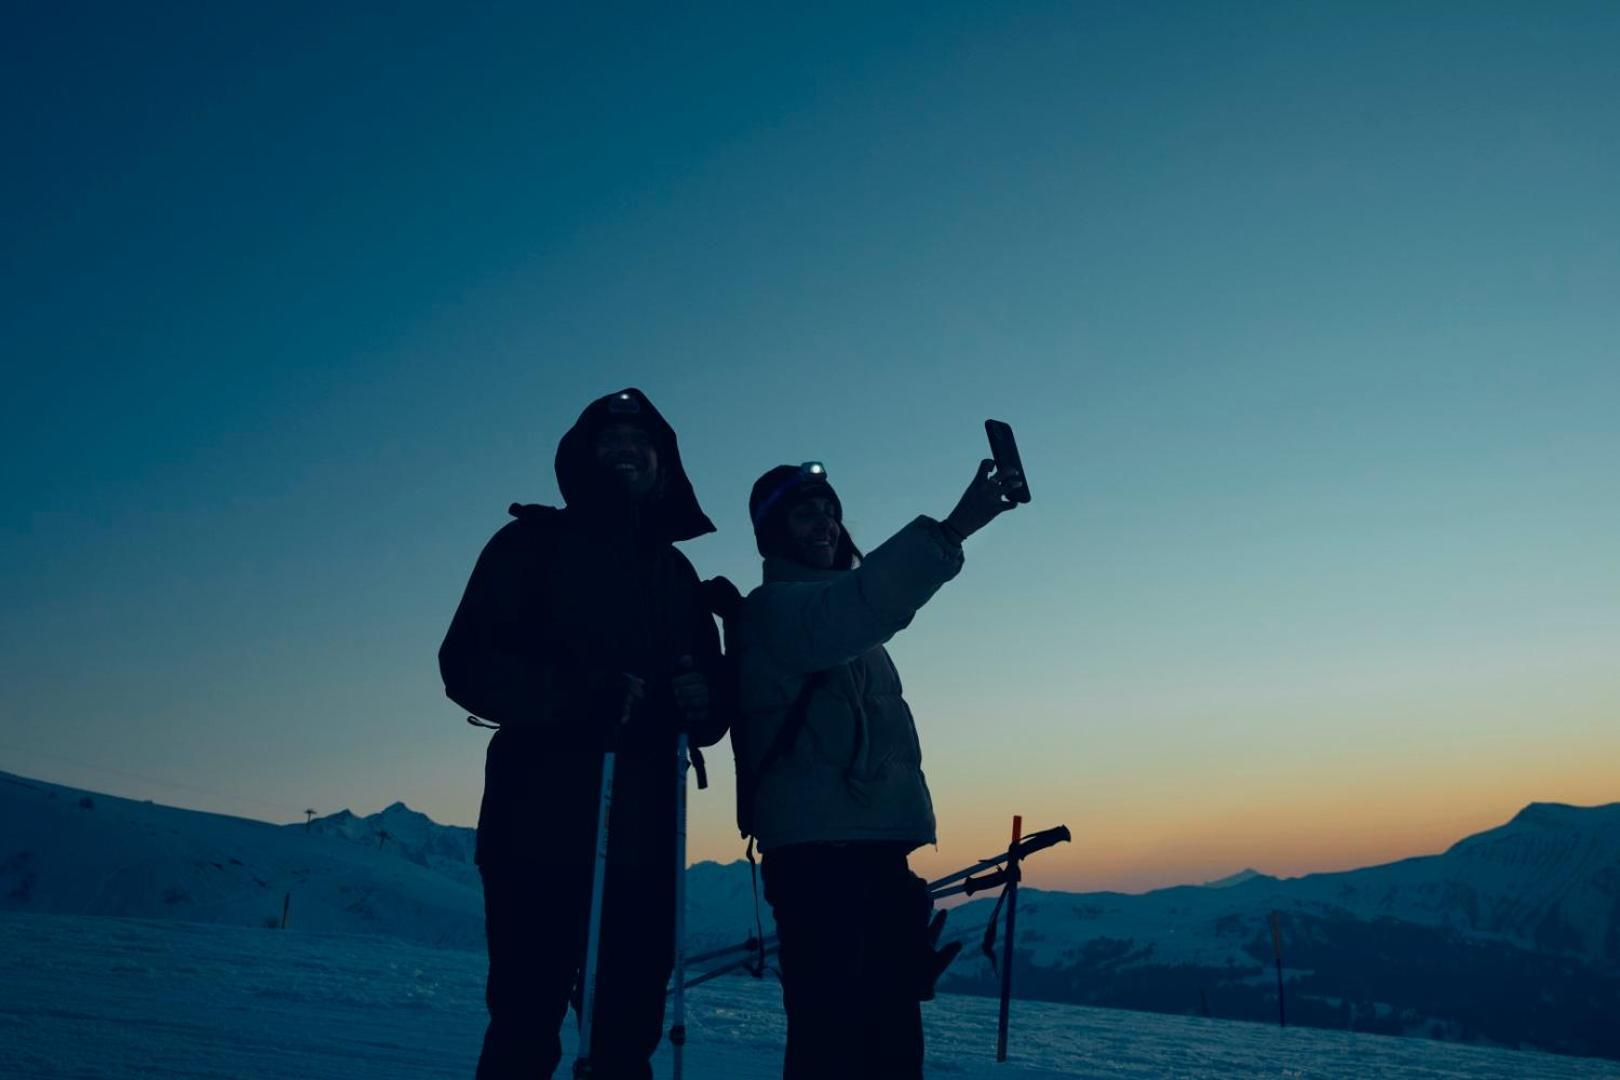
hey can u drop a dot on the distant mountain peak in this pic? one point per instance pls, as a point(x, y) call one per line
point(1246, 874)
point(1553, 814)
point(1542, 823)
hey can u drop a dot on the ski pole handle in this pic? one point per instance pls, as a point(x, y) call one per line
point(635, 691)
point(1038, 841)
point(991, 880)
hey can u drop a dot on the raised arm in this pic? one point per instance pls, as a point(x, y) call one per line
point(810, 626)
point(814, 625)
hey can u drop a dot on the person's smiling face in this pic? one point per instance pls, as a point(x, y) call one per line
point(813, 530)
point(626, 452)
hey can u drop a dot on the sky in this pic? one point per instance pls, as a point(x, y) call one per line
point(1305, 315)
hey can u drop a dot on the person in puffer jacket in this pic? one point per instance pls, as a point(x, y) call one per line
point(837, 809)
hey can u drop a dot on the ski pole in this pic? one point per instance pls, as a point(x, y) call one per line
point(593, 939)
point(677, 1029)
point(1057, 834)
point(953, 884)
point(753, 944)
point(1007, 946)
point(747, 963)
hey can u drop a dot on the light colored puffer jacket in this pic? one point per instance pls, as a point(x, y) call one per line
point(855, 771)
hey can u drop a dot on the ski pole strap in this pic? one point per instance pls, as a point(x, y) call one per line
point(696, 757)
point(988, 947)
point(1007, 875)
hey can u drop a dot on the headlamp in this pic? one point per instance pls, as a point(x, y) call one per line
point(809, 472)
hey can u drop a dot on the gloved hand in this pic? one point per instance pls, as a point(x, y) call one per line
point(938, 959)
point(691, 695)
point(612, 699)
point(927, 960)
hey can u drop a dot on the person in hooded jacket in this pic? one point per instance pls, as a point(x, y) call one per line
point(828, 746)
point(573, 619)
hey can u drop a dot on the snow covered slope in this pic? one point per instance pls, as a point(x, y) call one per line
point(1548, 880)
point(408, 834)
point(1511, 936)
point(121, 999)
point(396, 872)
point(72, 852)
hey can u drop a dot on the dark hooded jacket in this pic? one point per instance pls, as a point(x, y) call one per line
point(559, 604)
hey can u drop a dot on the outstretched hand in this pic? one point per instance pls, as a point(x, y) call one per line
point(984, 500)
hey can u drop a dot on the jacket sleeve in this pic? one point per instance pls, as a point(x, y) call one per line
point(490, 659)
point(721, 676)
point(810, 626)
point(703, 643)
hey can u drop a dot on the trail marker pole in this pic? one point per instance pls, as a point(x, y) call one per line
point(1007, 946)
point(1276, 947)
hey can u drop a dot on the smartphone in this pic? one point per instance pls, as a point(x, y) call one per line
point(1004, 448)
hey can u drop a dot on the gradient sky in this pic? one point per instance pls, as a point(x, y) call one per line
point(1307, 316)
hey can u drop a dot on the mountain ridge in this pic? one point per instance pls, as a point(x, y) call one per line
point(1511, 935)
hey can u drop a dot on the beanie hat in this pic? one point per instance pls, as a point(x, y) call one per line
point(776, 492)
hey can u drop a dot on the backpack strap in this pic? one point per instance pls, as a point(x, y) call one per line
point(786, 735)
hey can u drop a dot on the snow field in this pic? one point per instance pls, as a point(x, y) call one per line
point(90, 997)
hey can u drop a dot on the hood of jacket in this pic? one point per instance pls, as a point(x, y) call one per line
point(671, 513)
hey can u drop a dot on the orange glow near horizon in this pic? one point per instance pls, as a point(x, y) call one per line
point(1282, 833)
point(1142, 841)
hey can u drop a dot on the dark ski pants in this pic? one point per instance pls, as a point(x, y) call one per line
point(852, 919)
point(536, 919)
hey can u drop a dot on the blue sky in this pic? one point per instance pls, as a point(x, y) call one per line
point(1304, 315)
